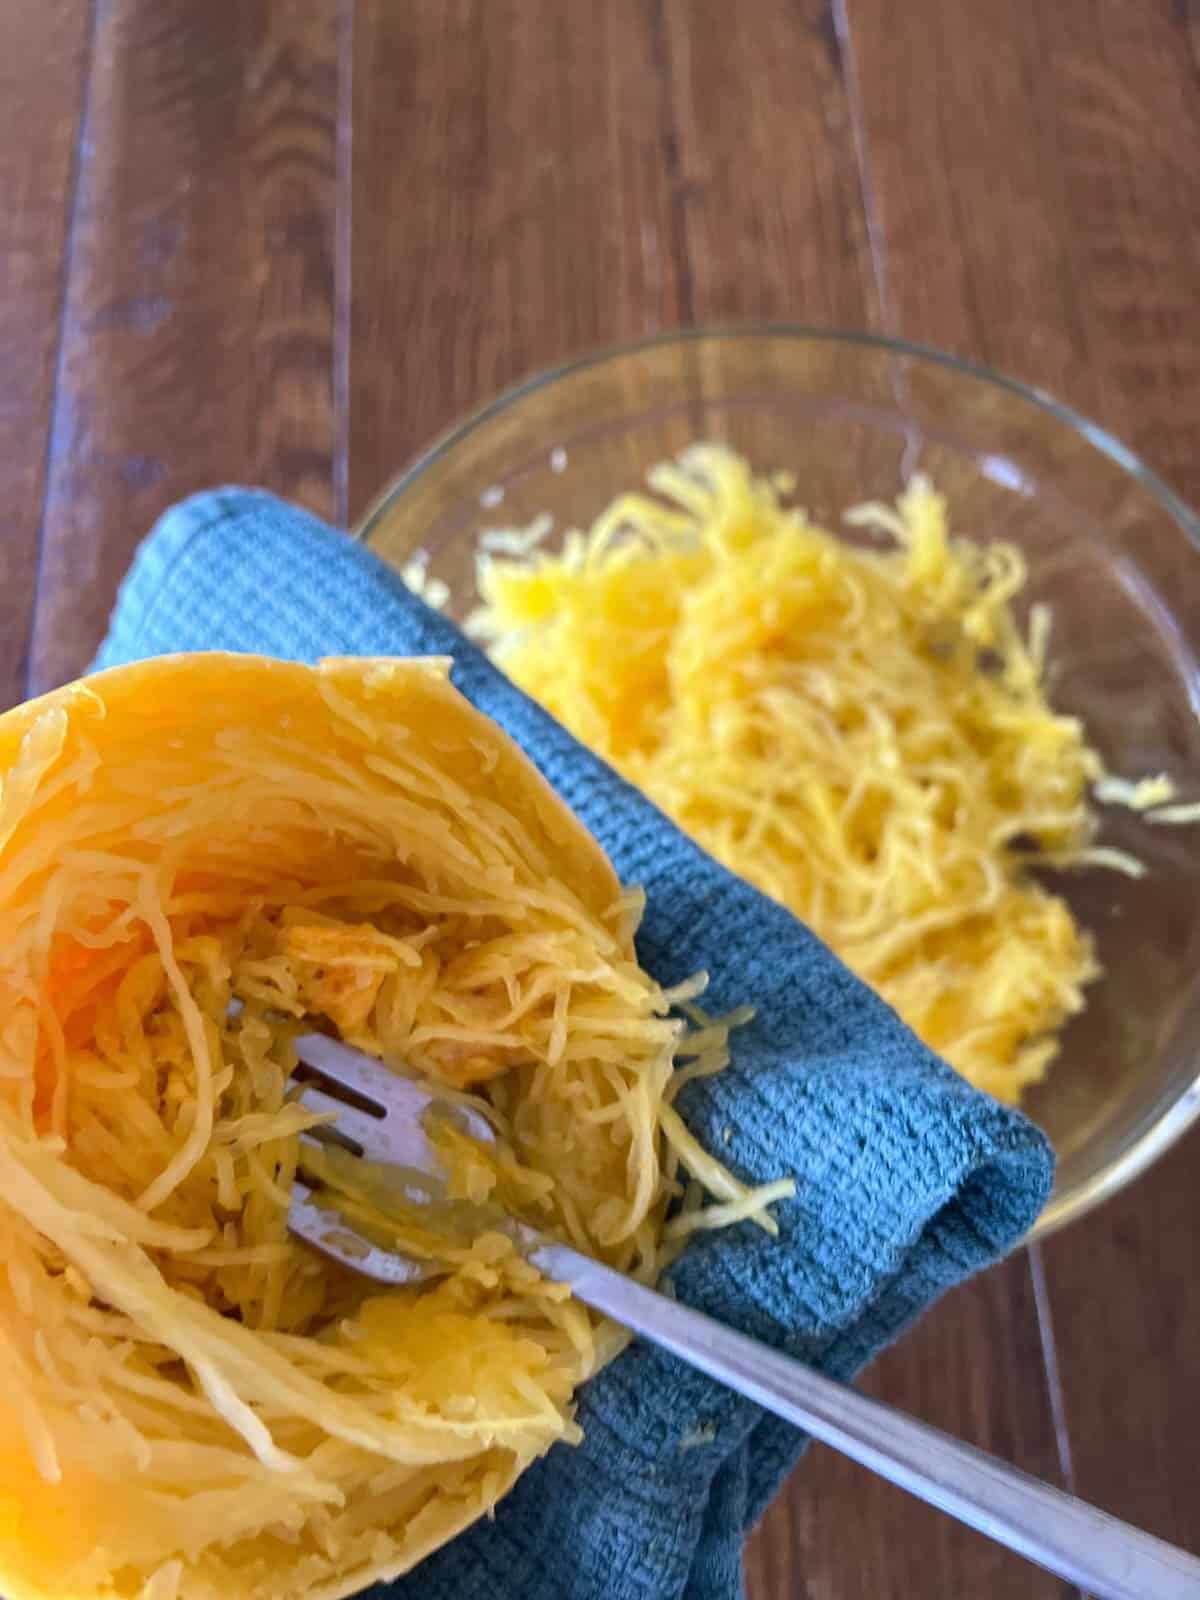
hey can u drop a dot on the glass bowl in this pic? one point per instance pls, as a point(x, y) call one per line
point(1113, 551)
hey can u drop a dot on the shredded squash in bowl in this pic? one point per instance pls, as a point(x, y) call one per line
point(864, 733)
point(199, 857)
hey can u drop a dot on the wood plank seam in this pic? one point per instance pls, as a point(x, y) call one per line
point(53, 430)
point(343, 245)
point(669, 135)
point(842, 45)
point(1058, 1407)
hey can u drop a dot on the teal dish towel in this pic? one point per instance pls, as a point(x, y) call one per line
point(907, 1180)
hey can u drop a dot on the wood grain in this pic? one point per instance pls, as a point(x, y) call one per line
point(1034, 168)
point(199, 315)
point(511, 206)
point(43, 54)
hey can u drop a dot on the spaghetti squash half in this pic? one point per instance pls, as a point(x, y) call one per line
point(200, 857)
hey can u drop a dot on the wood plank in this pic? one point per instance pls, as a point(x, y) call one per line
point(775, 226)
point(1125, 1297)
point(198, 335)
point(43, 55)
point(1129, 104)
point(1034, 168)
point(511, 206)
point(1066, 254)
point(768, 180)
point(976, 260)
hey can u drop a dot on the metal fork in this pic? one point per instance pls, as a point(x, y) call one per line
point(380, 1116)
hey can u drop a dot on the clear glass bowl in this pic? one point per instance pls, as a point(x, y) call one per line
point(1113, 551)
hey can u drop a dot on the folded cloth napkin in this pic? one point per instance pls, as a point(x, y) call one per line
point(907, 1180)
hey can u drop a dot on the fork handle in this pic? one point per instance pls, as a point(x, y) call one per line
point(1103, 1555)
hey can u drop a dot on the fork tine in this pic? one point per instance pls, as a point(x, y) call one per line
point(327, 1232)
point(398, 1097)
point(368, 1132)
point(391, 1130)
point(399, 1137)
point(353, 1069)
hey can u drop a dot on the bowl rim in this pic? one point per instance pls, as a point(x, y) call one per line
point(805, 333)
point(1184, 1110)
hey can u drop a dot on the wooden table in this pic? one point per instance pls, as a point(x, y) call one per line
point(287, 241)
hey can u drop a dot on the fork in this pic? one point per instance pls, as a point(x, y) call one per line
point(380, 1116)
